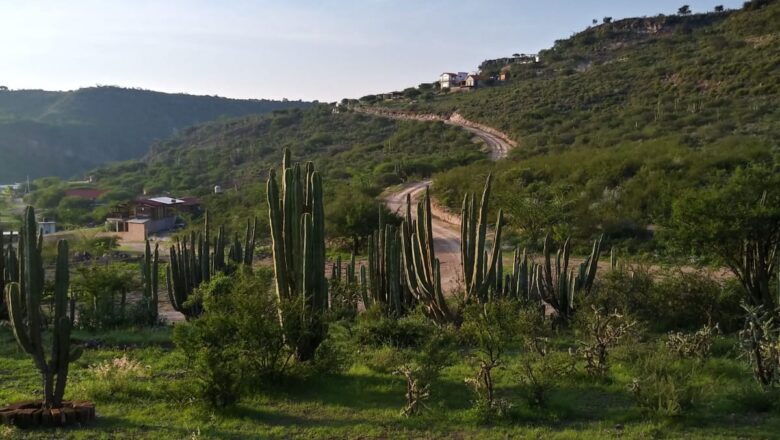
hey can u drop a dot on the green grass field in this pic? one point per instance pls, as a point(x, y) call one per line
point(362, 403)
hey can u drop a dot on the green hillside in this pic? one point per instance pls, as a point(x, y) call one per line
point(352, 150)
point(46, 133)
point(615, 121)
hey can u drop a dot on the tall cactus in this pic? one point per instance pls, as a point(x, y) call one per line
point(24, 306)
point(297, 223)
point(386, 284)
point(519, 284)
point(249, 243)
point(151, 276)
point(422, 270)
point(481, 271)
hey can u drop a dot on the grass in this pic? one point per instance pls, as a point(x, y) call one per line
point(362, 403)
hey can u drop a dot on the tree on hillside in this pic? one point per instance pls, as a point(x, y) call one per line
point(607, 20)
point(353, 216)
point(719, 8)
point(684, 10)
point(595, 21)
point(738, 223)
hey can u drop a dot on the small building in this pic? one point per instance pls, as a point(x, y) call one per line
point(47, 227)
point(504, 75)
point(472, 81)
point(136, 220)
point(449, 80)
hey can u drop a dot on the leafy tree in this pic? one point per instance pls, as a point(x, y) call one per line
point(684, 10)
point(607, 20)
point(738, 223)
point(719, 8)
point(353, 216)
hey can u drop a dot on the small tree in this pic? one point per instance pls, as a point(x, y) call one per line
point(719, 8)
point(738, 223)
point(607, 20)
point(684, 10)
point(490, 328)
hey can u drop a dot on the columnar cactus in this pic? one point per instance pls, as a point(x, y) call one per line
point(386, 284)
point(557, 284)
point(422, 270)
point(481, 271)
point(24, 307)
point(151, 275)
point(249, 243)
point(519, 284)
point(298, 242)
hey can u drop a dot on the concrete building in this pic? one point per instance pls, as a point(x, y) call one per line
point(136, 220)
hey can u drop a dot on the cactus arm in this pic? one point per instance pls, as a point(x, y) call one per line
point(13, 298)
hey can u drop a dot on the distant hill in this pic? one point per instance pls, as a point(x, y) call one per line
point(45, 133)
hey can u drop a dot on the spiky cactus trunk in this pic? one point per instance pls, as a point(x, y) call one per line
point(386, 284)
point(297, 223)
point(481, 271)
point(422, 270)
point(24, 306)
point(151, 276)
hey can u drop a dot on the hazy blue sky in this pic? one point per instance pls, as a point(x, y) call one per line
point(305, 49)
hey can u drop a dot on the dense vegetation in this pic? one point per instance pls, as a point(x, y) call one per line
point(358, 156)
point(46, 133)
point(615, 121)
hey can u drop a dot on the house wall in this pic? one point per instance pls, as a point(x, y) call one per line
point(135, 232)
point(163, 224)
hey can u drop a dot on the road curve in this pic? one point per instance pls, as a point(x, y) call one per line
point(446, 226)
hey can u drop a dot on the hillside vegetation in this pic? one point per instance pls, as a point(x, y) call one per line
point(45, 133)
point(358, 155)
point(615, 121)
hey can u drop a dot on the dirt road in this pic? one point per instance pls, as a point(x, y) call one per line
point(446, 225)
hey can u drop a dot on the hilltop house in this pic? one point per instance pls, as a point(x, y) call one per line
point(450, 80)
point(136, 220)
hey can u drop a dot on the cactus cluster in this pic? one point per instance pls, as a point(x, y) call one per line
point(481, 269)
point(297, 220)
point(421, 268)
point(349, 270)
point(243, 253)
point(192, 263)
point(557, 284)
point(24, 306)
point(386, 285)
point(150, 269)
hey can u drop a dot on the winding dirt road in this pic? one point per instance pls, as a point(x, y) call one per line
point(446, 225)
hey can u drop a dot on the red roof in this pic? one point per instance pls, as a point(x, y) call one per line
point(84, 193)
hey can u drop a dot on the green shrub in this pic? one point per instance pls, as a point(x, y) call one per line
point(237, 343)
point(375, 329)
point(663, 387)
point(542, 370)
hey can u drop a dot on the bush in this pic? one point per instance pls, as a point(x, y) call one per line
point(697, 345)
point(490, 329)
point(237, 342)
point(602, 332)
point(115, 379)
point(375, 329)
point(664, 387)
point(542, 370)
point(101, 293)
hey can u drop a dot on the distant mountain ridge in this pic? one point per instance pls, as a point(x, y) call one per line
point(46, 133)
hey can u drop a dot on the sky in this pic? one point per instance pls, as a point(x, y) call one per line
point(296, 49)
